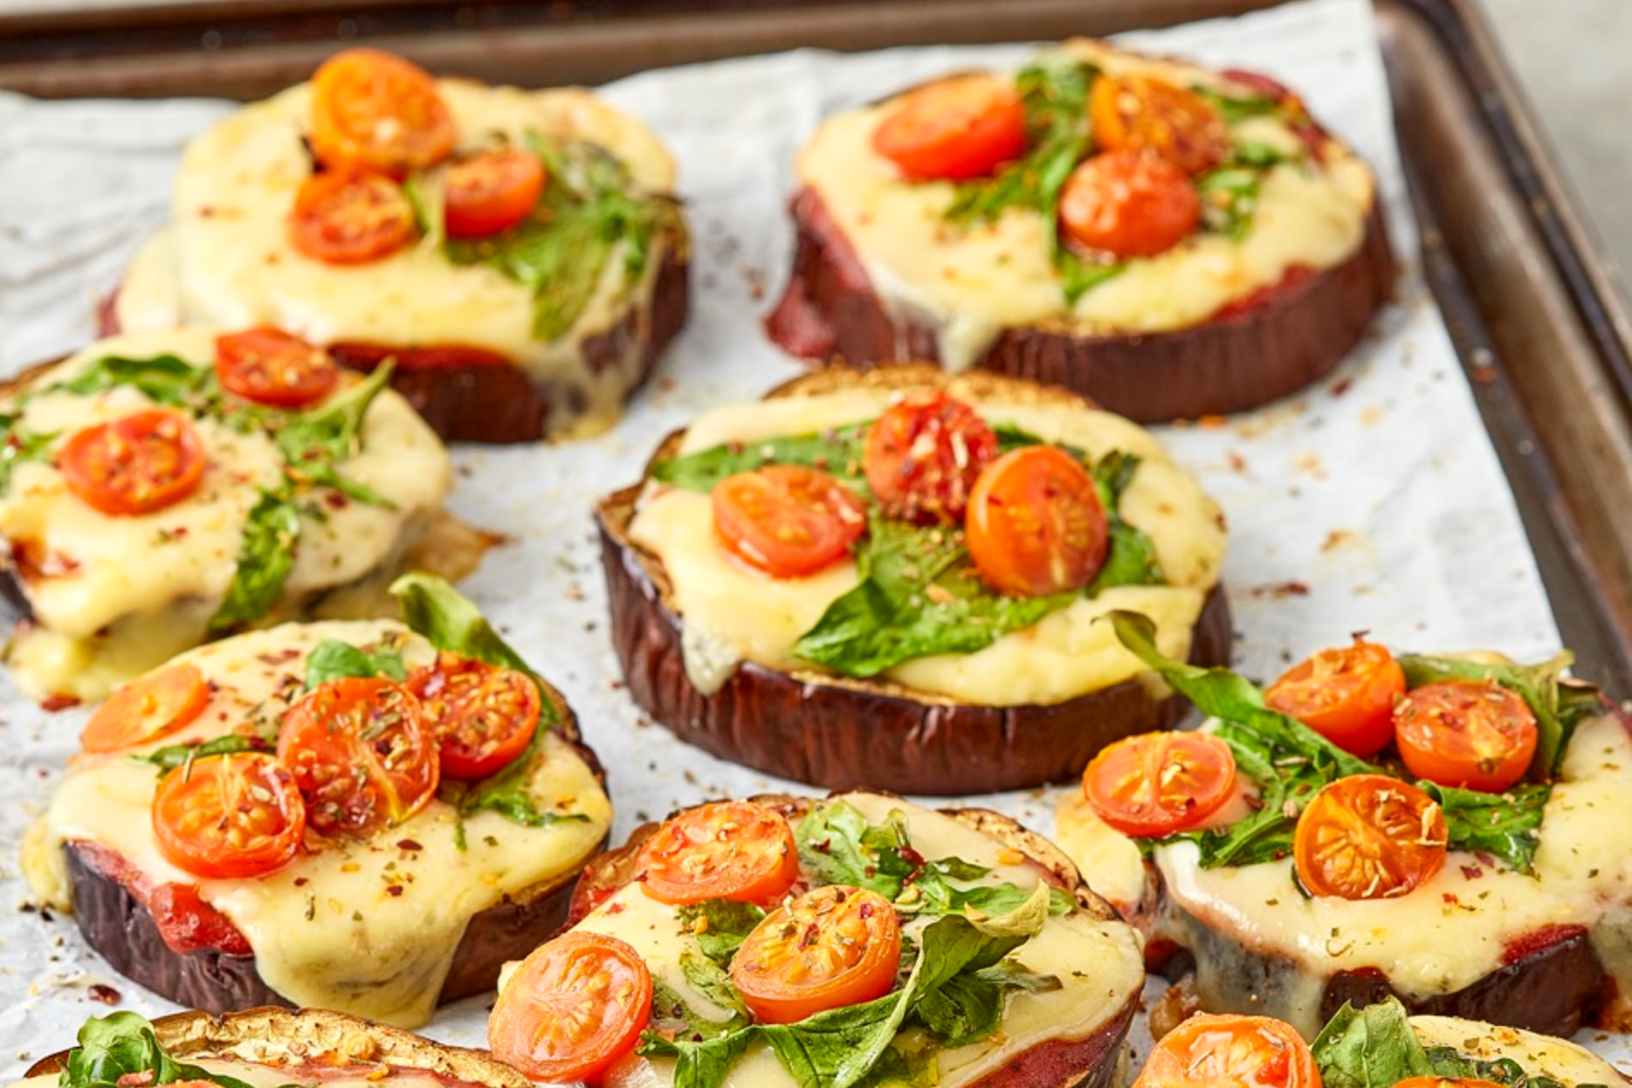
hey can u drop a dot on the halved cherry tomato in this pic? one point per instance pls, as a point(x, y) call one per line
point(1035, 525)
point(229, 816)
point(362, 754)
point(1209, 1051)
point(833, 946)
point(135, 465)
point(491, 191)
point(1346, 694)
point(1368, 836)
point(270, 366)
point(787, 520)
point(1141, 114)
point(954, 128)
point(484, 716)
point(924, 454)
point(376, 111)
point(1469, 733)
point(147, 708)
point(344, 218)
point(1128, 205)
point(733, 850)
point(1154, 784)
point(573, 1007)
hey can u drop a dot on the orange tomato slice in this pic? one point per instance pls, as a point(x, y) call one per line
point(270, 366)
point(135, 465)
point(955, 128)
point(1469, 733)
point(1345, 694)
point(146, 709)
point(831, 947)
point(787, 520)
point(1125, 204)
point(1156, 784)
point(1035, 525)
point(350, 218)
point(733, 850)
point(491, 191)
point(924, 454)
point(1369, 836)
point(1150, 116)
point(1230, 1052)
point(484, 716)
point(229, 816)
point(376, 111)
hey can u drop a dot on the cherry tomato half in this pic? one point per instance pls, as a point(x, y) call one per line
point(573, 1007)
point(1368, 836)
point(350, 218)
point(375, 111)
point(1155, 784)
point(787, 520)
point(362, 754)
point(1141, 114)
point(1035, 524)
point(924, 454)
point(955, 128)
point(1469, 733)
point(484, 716)
point(833, 946)
point(491, 191)
point(229, 816)
point(135, 465)
point(733, 850)
point(1209, 1051)
point(147, 708)
point(1128, 205)
point(270, 366)
point(1345, 694)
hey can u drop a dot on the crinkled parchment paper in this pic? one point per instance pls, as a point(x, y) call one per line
point(1372, 501)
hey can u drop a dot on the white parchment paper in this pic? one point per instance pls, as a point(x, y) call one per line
point(1372, 501)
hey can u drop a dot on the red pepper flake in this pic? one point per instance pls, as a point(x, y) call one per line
point(408, 844)
point(108, 996)
point(393, 889)
point(54, 703)
point(1472, 872)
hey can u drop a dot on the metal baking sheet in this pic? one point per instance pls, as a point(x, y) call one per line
point(1337, 527)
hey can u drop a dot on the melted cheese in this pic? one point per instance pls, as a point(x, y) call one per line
point(1065, 655)
point(1537, 1055)
point(272, 1074)
point(968, 283)
point(227, 261)
point(1099, 964)
point(123, 594)
point(328, 930)
point(1442, 937)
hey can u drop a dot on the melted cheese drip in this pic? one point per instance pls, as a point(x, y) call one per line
point(1065, 655)
point(1442, 937)
point(108, 616)
point(274, 1075)
point(327, 930)
point(1100, 964)
point(227, 260)
point(969, 283)
point(1543, 1055)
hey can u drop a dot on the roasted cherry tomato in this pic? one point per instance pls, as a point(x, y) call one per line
point(733, 850)
point(954, 128)
point(1469, 733)
point(833, 946)
point(573, 1007)
point(924, 454)
point(134, 465)
point(1369, 836)
point(1035, 525)
point(1345, 694)
point(146, 709)
point(484, 716)
point(1128, 205)
point(491, 191)
point(362, 754)
point(1154, 784)
point(375, 111)
point(350, 218)
point(229, 816)
point(1148, 116)
point(787, 520)
point(270, 366)
point(1209, 1051)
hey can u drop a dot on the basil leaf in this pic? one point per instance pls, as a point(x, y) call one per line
point(332, 659)
point(702, 1063)
point(672, 1018)
point(124, 1044)
point(712, 981)
point(20, 447)
point(1559, 706)
point(830, 840)
point(1448, 1062)
point(266, 555)
point(171, 756)
point(1238, 108)
point(838, 451)
point(560, 252)
point(1229, 197)
point(1506, 826)
point(1078, 277)
point(332, 431)
point(164, 379)
point(449, 621)
point(1373, 1047)
point(724, 926)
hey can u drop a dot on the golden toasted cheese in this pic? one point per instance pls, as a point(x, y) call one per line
point(1065, 655)
point(366, 927)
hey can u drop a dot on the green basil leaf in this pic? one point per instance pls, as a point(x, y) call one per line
point(725, 925)
point(700, 1063)
point(124, 1044)
point(1229, 199)
point(1373, 1047)
point(1078, 277)
point(711, 980)
point(171, 756)
point(449, 621)
point(838, 451)
point(266, 555)
point(1238, 108)
point(830, 841)
point(164, 379)
point(1506, 825)
point(332, 659)
point(19, 447)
